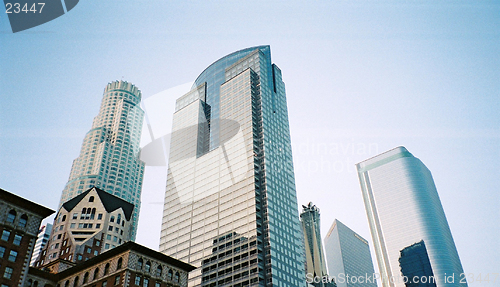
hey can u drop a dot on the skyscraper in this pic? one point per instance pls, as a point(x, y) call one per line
point(109, 157)
point(41, 242)
point(315, 258)
point(348, 257)
point(230, 201)
point(403, 208)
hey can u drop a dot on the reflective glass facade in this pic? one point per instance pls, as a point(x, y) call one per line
point(230, 204)
point(403, 208)
point(109, 157)
point(348, 256)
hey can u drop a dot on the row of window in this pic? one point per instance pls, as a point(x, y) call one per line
point(6, 237)
point(11, 217)
point(12, 254)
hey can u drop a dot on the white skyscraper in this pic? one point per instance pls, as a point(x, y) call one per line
point(109, 157)
point(407, 222)
point(348, 257)
point(41, 242)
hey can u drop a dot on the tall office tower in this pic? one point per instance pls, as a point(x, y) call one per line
point(403, 208)
point(109, 158)
point(41, 242)
point(230, 201)
point(315, 258)
point(348, 257)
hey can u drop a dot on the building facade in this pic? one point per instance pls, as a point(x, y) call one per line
point(315, 257)
point(230, 176)
point(89, 224)
point(109, 157)
point(19, 224)
point(348, 257)
point(403, 208)
point(127, 265)
point(41, 241)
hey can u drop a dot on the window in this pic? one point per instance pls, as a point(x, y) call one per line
point(105, 283)
point(139, 264)
point(157, 284)
point(64, 218)
point(115, 239)
point(110, 228)
point(11, 216)
point(80, 257)
point(170, 274)
point(106, 246)
point(5, 235)
point(75, 215)
point(17, 239)
point(72, 225)
point(85, 277)
point(98, 225)
point(112, 219)
point(2, 251)
point(117, 280)
point(119, 265)
point(23, 221)
point(145, 282)
point(96, 252)
point(75, 283)
point(176, 277)
point(148, 266)
point(12, 256)
point(158, 271)
point(8, 273)
point(99, 216)
point(119, 219)
point(137, 280)
point(106, 269)
point(91, 199)
point(66, 284)
point(89, 250)
point(96, 273)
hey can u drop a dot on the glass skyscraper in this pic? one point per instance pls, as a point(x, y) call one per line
point(403, 208)
point(230, 202)
point(109, 157)
point(348, 257)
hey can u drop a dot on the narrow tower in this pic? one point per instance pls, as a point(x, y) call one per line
point(109, 158)
point(315, 258)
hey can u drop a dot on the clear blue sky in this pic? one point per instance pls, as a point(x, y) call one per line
point(362, 77)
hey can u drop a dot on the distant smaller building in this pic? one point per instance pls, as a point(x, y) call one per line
point(41, 242)
point(19, 225)
point(416, 266)
point(87, 225)
point(348, 257)
point(316, 274)
point(129, 264)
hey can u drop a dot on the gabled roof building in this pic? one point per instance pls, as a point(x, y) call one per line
point(86, 226)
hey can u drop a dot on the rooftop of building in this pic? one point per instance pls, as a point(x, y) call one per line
point(22, 202)
point(110, 202)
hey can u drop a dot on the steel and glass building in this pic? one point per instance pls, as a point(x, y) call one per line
point(315, 257)
point(41, 242)
point(348, 257)
point(230, 202)
point(109, 157)
point(403, 208)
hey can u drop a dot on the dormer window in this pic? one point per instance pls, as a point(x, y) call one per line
point(91, 199)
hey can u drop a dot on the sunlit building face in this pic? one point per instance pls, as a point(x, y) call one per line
point(230, 201)
point(403, 209)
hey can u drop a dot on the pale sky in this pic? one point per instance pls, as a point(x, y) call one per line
point(361, 77)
